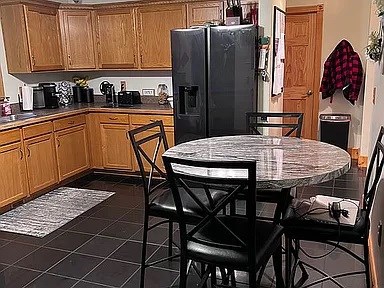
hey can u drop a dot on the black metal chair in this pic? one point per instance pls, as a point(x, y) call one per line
point(291, 121)
point(235, 242)
point(148, 141)
point(298, 228)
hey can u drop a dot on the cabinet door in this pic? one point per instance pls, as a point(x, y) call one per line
point(201, 12)
point(150, 147)
point(116, 146)
point(12, 176)
point(72, 151)
point(44, 38)
point(116, 39)
point(154, 25)
point(78, 39)
point(41, 162)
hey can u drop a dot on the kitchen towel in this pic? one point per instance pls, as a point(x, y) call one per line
point(27, 96)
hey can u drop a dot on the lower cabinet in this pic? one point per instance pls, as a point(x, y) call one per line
point(150, 147)
point(13, 184)
point(72, 151)
point(41, 162)
point(116, 146)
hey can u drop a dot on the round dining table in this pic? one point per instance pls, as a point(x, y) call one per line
point(281, 162)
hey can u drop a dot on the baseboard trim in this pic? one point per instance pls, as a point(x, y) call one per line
point(372, 265)
point(354, 152)
point(362, 162)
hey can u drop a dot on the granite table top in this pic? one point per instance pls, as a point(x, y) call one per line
point(281, 162)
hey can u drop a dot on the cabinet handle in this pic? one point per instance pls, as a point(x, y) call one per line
point(33, 61)
point(141, 58)
point(29, 152)
point(71, 122)
point(221, 14)
point(21, 154)
point(70, 60)
point(58, 142)
point(113, 118)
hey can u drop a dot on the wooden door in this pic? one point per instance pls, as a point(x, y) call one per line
point(200, 12)
point(154, 25)
point(72, 151)
point(302, 65)
point(117, 45)
point(41, 162)
point(150, 147)
point(116, 146)
point(12, 177)
point(44, 38)
point(79, 39)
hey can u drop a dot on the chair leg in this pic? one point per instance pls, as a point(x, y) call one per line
point(288, 261)
point(183, 271)
point(253, 278)
point(232, 207)
point(213, 277)
point(278, 267)
point(366, 264)
point(170, 238)
point(144, 250)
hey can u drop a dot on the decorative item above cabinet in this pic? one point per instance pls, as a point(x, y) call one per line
point(42, 35)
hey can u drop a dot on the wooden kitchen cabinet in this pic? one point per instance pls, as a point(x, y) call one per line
point(31, 37)
point(72, 151)
point(154, 25)
point(78, 38)
point(43, 35)
point(117, 46)
point(116, 146)
point(199, 13)
point(12, 177)
point(41, 162)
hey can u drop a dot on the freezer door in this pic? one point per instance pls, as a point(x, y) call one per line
point(231, 84)
point(189, 83)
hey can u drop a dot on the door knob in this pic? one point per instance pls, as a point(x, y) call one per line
point(309, 92)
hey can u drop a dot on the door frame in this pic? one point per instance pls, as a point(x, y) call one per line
point(318, 9)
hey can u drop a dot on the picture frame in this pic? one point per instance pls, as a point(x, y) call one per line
point(148, 92)
point(278, 49)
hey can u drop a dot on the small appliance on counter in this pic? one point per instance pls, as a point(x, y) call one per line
point(50, 95)
point(38, 97)
point(26, 98)
point(87, 95)
point(128, 98)
point(108, 90)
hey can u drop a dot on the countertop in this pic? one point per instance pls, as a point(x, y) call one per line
point(50, 114)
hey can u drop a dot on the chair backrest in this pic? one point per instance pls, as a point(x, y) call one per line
point(289, 122)
point(374, 172)
point(183, 178)
point(148, 141)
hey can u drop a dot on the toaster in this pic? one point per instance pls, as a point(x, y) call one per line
point(128, 98)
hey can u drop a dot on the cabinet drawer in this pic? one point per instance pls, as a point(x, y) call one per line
point(145, 119)
point(68, 122)
point(9, 136)
point(114, 118)
point(37, 130)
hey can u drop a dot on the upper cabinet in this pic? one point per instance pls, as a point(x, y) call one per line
point(116, 33)
point(200, 12)
point(78, 39)
point(154, 25)
point(31, 38)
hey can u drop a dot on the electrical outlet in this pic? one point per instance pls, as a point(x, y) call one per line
point(123, 85)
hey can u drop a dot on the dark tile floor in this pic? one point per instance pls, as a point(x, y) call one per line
point(101, 248)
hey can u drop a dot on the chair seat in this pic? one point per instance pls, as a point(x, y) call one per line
point(206, 249)
point(163, 204)
point(301, 228)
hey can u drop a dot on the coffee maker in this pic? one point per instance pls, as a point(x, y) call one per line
point(108, 90)
point(50, 95)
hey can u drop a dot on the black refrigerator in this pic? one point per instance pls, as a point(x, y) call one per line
point(214, 80)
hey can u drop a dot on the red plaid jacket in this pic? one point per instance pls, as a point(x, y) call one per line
point(342, 70)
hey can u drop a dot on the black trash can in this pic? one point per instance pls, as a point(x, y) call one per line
point(334, 129)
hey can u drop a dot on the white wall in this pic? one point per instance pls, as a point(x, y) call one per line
point(344, 19)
